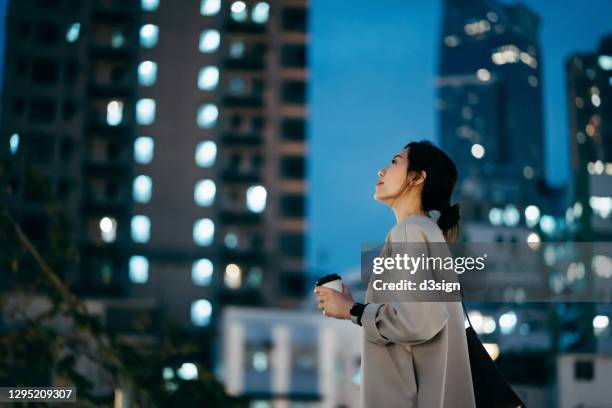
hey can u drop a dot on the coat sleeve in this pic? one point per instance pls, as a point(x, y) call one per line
point(404, 322)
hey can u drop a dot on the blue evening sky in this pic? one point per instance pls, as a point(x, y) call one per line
point(372, 76)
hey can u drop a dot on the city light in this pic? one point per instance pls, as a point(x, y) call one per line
point(483, 74)
point(206, 153)
point(478, 151)
point(477, 27)
point(114, 113)
point(602, 206)
point(149, 34)
point(260, 12)
point(548, 224)
point(202, 272)
point(233, 276)
point(260, 361)
point(533, 240)
point(210, 7)
point(532, 215)
point(256, 198)
point(72, 34)
point(204, 193)
point(108, 229)
point(209, 41)
point(149, 5)
point(601, 322)
point(14, 143)
point(451, 40)
point(147, 73)
point(139, 269)
point(511, 216)
point(239, 11)
point(141, 189)
point(231, 240)
point(605, 62)
point(140, 229)
point(507, 322)
point(208, 78)
point(117, 39)
point(201, 311)
point(143, 149)
point(207, 115)
point(495, 216)
point(145, 111)
point(187, 372)
point(203, 232)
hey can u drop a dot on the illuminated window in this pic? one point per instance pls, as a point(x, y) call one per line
point(147, 73)
point(203, 232)
point(108, 229)
point(187, 372)
point(145, 111)
point(208, 78)
point(239, 11)
point(483, 74)
point(117, 40)
point(114, 113)
point(256, 198)
point(207, 115)
point(605, 62)
point(141, 228)
point(478, 151)
point(14, 143)
point(143, 149)
point(231, 240)
point(139, 269)
point(149, 5)
point(233, 276)
point(202, 272)
point(204, 193)
point(201, 311)
point(149, 34)
point(72, 34)
point(206, 153)
point(141, 190)
point(260, 12)
point(209, 40)
point(236, 49)
point(210, 7)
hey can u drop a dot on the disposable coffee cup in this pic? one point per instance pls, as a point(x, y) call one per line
point(332, 281)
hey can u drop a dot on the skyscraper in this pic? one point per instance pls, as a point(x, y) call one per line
point(490, 104)
point(589, 89)
point(175, 134)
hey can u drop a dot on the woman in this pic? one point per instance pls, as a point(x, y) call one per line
point(414, 353)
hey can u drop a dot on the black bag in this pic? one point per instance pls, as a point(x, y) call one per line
point(490, 387)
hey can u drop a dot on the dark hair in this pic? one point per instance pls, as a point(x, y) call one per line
point(440, 179)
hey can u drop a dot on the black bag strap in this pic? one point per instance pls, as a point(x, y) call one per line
point(467, 316)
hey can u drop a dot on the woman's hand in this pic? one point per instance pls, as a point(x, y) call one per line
point(334, 303)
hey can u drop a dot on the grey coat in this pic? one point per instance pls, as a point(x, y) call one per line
point(415, 353)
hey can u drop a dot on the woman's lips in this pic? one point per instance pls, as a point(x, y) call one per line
point(379, 183)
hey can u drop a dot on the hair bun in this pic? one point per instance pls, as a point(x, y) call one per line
point(449, 217)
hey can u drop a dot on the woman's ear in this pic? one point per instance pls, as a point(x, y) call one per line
point(418, 178)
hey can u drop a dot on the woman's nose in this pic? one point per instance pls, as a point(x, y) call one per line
point(380, 173)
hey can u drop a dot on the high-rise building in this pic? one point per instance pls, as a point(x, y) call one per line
point(589, 91)
point(490, 105)
point(175, 136)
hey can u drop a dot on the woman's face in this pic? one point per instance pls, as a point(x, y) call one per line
point(391, 178)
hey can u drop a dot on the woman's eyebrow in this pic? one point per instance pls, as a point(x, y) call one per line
point(397, 155)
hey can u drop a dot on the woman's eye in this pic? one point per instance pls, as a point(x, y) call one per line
point(393, 161)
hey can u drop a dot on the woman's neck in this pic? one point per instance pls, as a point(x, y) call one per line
point(407, 208)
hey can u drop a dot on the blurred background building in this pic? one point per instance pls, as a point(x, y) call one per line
point(174, 137)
